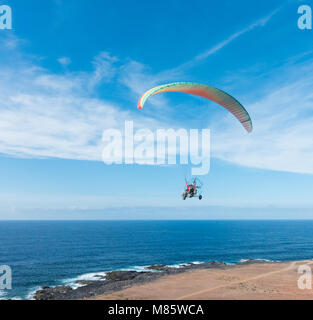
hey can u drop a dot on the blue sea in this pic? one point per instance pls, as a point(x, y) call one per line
point(60, 252)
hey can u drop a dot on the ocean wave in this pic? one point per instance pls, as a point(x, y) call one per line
point(31, 293)
point(257, 259)
point(197, 262)
point(137, 268)
point(16, 298)
point(2, 295)
point(91, 276)
point(184, 264)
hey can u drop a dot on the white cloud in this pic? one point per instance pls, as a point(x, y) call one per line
point(65, 61)
point(204, 55)
point(44, 114)
point(104, 69)
point(139, 78)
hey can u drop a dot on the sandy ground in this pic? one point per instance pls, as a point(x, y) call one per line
point(255, 281)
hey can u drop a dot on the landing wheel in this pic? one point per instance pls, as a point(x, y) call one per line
point(200, 197)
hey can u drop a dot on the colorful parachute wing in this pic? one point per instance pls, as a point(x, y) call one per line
point(211, 93)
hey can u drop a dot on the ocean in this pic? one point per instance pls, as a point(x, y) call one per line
point(50, 253)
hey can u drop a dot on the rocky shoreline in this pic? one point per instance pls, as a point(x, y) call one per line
point(118, 280)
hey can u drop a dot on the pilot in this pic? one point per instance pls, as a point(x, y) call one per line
point(191, 189)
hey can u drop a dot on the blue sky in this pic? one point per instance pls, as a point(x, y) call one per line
point(71, 69)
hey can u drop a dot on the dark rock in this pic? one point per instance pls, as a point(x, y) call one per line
point(218, 264)
point(47, 293)
point(158, 267)
point(100, 276)
point(121, 275)
point(253, 261)
point(85, 282)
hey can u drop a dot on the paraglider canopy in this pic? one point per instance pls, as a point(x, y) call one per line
point(208, 92)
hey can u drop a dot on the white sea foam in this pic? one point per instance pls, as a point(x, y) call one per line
point(93, 276)
point(184, 264)
point(16, 298)
point(31, 294)
point(257, 259)
point(197, 262)
point(146, 269)
point(178, 265)
point(138, 269)
point(2, 295)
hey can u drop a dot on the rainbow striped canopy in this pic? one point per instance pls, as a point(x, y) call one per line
point(211, 93)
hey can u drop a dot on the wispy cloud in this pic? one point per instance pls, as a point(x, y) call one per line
point(104, 69)
point(204, 55)
point(44, 114)
point(138, 78)
point(283, 134)
point(65, 61)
